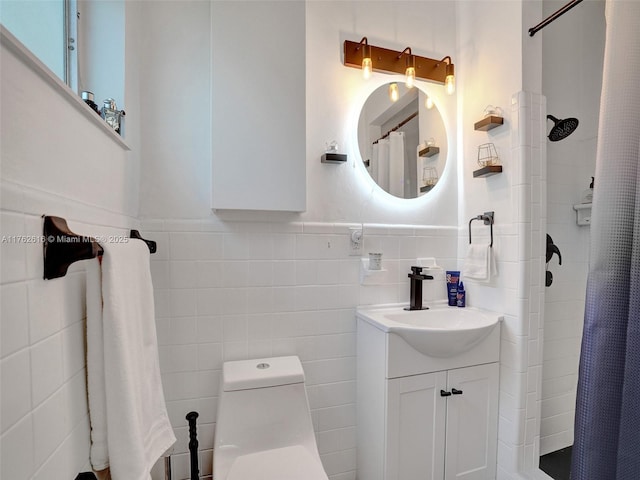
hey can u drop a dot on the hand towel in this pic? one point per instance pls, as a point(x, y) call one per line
point(130, 428)
point(479, 264)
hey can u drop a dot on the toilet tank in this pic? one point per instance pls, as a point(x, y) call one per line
point(263, 405)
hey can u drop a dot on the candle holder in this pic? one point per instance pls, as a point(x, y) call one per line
point(487, 155)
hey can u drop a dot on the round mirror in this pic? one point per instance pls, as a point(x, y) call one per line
point(402, 139)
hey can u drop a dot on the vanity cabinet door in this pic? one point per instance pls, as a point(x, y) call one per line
point(415, 427)
point(472, 423)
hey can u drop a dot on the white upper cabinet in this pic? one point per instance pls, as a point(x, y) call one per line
point(258, 106)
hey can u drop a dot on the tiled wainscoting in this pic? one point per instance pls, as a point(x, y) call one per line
point(45, 423)
point(227, 291)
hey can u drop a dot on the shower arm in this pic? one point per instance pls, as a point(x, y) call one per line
point(553, 16)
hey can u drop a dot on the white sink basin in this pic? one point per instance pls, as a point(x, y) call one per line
point(440, 331)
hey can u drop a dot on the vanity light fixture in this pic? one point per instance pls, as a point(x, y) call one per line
point(450, 78)
point(366, 58)
point(410, 71)
point(394, 94)
point(384, 60)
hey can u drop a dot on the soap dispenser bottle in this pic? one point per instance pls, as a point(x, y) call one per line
point(587, 195)
point(461, 296)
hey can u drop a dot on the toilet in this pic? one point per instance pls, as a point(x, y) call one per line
point(263, 427)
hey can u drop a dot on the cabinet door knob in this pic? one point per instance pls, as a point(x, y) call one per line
point(445, 394)
point(455, 391)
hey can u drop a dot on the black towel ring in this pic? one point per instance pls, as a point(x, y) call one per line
point(487, 218)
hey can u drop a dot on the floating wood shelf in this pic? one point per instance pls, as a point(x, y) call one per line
point(488, 123)
point(426, 188)
point(487, 171)
point(333, 158)
point(429, 152)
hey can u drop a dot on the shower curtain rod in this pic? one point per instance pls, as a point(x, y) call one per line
point(402, 123)
point(553, 16)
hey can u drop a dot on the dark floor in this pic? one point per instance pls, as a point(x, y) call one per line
point(557, 464)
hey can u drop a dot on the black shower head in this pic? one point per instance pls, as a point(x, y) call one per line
point(562, 128)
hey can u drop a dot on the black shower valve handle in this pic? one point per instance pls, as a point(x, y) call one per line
point(551, 249)
point(556, 250)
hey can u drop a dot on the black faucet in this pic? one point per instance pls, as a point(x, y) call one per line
point(417, 277)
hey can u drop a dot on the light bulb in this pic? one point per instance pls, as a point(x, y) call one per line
point(394, 94)
point(450, 84)
point(411, 77)
point(428, 103)
point(366, 68)
point(450, 79)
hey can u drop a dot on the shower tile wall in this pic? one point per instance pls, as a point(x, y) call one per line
point(572, 80)
point(244, 290)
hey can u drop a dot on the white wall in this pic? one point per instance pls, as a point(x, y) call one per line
point(233, 285)
point(55, 162)
point(177, 153)
point(573, 51)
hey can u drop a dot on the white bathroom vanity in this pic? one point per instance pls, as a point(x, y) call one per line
point(427, 393)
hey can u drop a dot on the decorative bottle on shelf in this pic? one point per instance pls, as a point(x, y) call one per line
point(87, 97)
point(587, 195)
point(112, 115)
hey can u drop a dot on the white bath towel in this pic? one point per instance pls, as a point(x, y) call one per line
point(479, 264)
point(130, 428)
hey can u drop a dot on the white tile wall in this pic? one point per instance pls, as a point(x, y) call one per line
point(44, 427)
point(245, 290)
point(518, 290)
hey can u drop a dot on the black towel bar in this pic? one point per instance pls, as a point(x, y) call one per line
point(488, 220)
point(62, 247)
point(150, 243)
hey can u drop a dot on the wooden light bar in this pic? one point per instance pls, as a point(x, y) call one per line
point(394, 61)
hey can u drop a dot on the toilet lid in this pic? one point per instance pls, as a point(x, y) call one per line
point(288, 463)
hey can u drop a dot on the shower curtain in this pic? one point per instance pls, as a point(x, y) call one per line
point(380, 159)
point(388, 163)
point(396, 164)
point(607, 423)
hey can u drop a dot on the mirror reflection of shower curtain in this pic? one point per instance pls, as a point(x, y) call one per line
point(380, 164)
point(607, 419)
point(396, 164)
point(373, 163)
point(387, 164)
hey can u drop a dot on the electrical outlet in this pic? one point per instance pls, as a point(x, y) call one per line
point(355, 241)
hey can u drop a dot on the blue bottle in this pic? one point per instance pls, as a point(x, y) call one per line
point(461, 296)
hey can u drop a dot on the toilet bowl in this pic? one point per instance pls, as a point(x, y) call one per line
point(263, 426)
